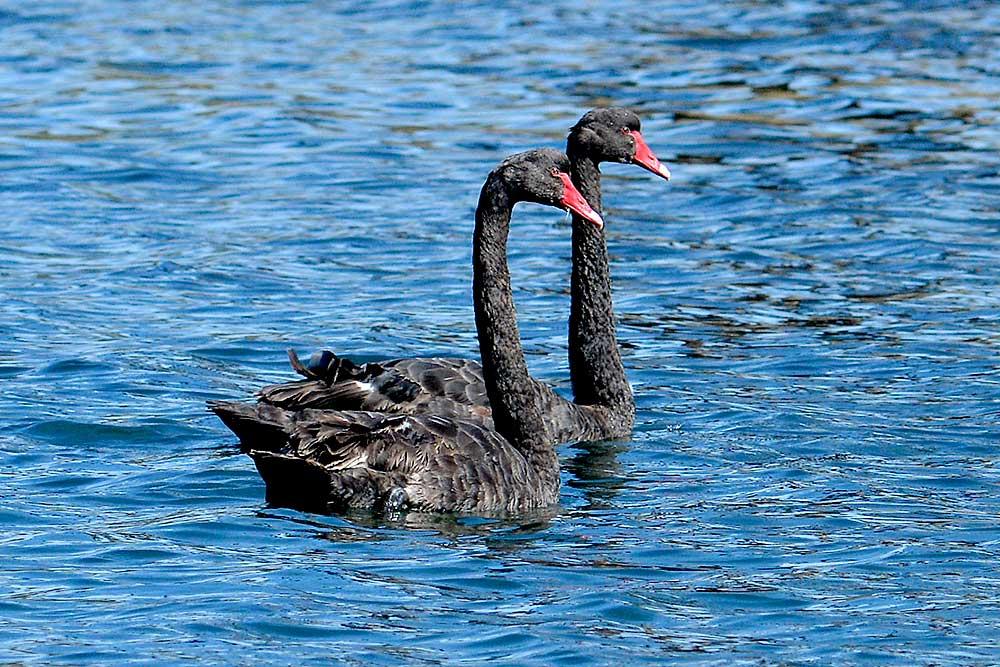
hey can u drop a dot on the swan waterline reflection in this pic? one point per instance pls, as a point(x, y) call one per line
point(363, 525)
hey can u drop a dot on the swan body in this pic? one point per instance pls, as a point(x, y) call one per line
point(330, 460)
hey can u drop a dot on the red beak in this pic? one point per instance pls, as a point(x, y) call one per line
point(574, 201)
point(645, 158)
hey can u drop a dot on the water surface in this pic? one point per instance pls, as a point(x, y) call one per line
point(808, 312)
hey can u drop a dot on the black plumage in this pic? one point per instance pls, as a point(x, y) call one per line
point(330, 460)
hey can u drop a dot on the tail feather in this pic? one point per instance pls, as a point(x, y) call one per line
point(261, 427)
point(301, 394)
point(306, 485)
point(293, 482)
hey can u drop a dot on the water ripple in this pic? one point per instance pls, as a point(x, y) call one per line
point(808, 313)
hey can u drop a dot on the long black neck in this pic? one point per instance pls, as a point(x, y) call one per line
point(595, 364)
point(513, 396)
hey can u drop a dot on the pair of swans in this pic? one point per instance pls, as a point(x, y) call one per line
point(435, 434)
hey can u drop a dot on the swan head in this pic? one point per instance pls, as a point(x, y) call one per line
point(542, 176)
point(613, 135)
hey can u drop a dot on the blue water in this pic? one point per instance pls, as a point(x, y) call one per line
point(809, 313)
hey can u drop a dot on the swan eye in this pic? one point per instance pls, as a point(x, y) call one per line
point(625, 130)
point(555, 172)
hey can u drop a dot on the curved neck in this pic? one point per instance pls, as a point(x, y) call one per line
point(595, 364)
point(513, 397)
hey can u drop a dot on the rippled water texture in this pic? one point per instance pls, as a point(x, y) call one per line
point(809, 314)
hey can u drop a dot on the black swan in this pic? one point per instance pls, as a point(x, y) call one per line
point(333, 460)
point(455, 387)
